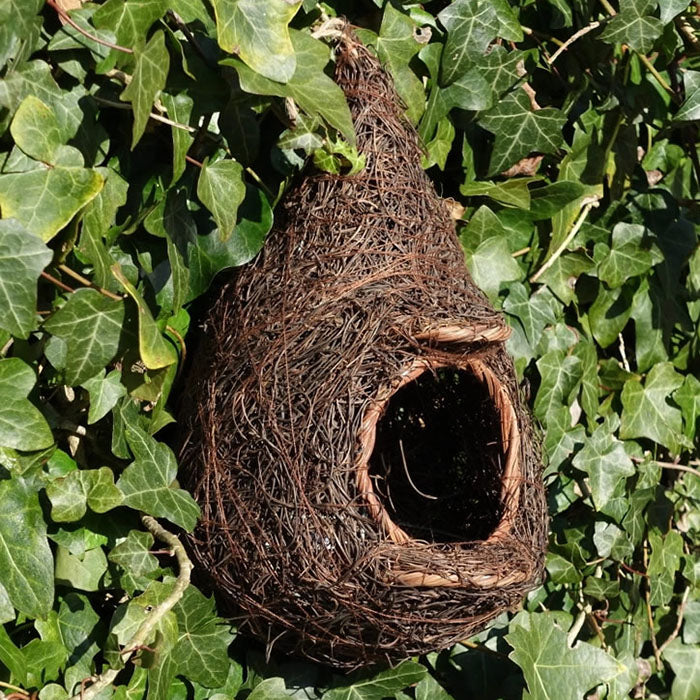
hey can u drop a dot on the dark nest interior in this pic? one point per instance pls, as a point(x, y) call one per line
point(370, 481)
point(438, 458)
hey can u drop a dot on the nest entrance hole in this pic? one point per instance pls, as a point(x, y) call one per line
point(438, 459)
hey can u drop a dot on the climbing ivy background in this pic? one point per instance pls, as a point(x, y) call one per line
point(143, 148)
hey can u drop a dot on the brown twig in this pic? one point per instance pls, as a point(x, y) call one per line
point(679, 621)
point(67, 18)
point(57, 282)
point(631, 570)
point(189, 159)
point(83, 280)
point(571, 40)
point(17, 689)
point(143, 633)
point(669, 465)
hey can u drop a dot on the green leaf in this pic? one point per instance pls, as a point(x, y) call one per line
point(208, 255)
point(609, 313)
point(22, 258)
point(512, 193)
point(534, 312)
point(133, 554)
point(396, 46)
point(548, 200)
point(12, 658)
point(604, 459)
point(430, 689)
point(630, 255)
point(45, 200)
point(519, 130)
point(688, 398)
point(491, 264)
point(70, 495)
point(179, 108)
point(147, 483)
point(382, 685)
point(35, 130)
point(560, 375)
point(203, 640)
point(22, 426)
point(221, 189)
point(690, 109)
point(270, 689)
point(309, 86)
point(664, 563)
point(82, 571)
point(44, 661)
point(471, 26)
point(684, 659)
point(148, 80)
point(562, 275)
point(129, 19)
point(646, 411)
point(91, 325)
point(259, 34)
point(540, 649)
point(104, 392)
point(153, 348)
point(634, 25)
point(25, 556)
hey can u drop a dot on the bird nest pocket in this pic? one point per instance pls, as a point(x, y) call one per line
point(369, 478)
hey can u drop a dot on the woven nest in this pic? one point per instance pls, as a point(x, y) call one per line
point(368, 477)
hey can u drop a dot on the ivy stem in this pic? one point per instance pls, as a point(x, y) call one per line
point(679, 621)
point(138, 641)
point(670, 465)
point(650, 616)
point(57, 282)
point(66, 17)
point(565, 243)
point(17, 689)
point(189, 159)
point(659, 78)
point(83, 280)
point(571, 40)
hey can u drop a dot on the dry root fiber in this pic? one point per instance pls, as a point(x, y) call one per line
point(368, 476)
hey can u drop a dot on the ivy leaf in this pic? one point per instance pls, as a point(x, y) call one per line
point(179, 107)
point(202, 646)
point(666, 553)
point(154, 350)
point(22, 258)
point(491, 264)
point(512, 193)
point(104, 392)
point(22, 427)
point(519, 130)
point(629, 256)
point(685, 662)
point(147, 482)
point(46, 199)
point(25, 556)
point(382, 685)
point(550, 199)
point(471, 26)
point(259, 34)
point(646, 411)
point(396, 46)
point(611, 541)
point(35, 130)
point(604, 459)
point(221, 189)
point(634, 25)
point(562, 275)
point(688, 398)
point(560, 375)
point(208, 255)
point(148, 80)
point(690, 109)
point(541, 650)
point(271, 689)
point(91, 325)
point(70, 495)
point(533, 311)
point(133, 554)
point(130, 20)
point(309, 86)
